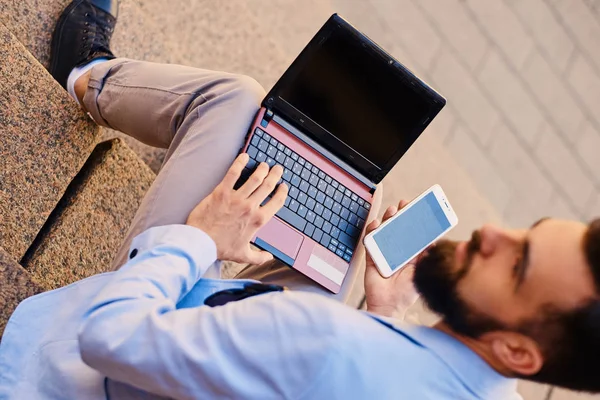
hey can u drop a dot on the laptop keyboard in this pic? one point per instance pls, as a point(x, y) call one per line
point(317, 205)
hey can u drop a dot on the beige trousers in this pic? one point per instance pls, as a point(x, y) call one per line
point(201, 117)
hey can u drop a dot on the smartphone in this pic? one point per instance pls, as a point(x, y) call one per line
point(402, 237)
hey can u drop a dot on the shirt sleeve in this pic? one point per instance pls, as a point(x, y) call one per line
point(262, 347)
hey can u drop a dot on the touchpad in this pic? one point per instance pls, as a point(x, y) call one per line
point(280, 240)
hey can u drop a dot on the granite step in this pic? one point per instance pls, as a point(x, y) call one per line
point(15, 286)
point(83, 233)
point(46, 139)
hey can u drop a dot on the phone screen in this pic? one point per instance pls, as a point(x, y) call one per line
point(414, 229)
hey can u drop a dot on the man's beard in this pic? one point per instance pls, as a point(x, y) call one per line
point(436, 279)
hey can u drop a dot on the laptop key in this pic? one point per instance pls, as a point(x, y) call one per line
point(294, 206)
point(332, 248)
point(280, 147)
point(314, 180)
point(354, 197)
point(301, 161)
point(348, 192)
point(312, 192)
point(320, 197)
point(353, 207)
point(347, 257)
point(328, 202)
point(321, 174)
point(327, 227)
point(288, 163)
point(339, 253)
point(272, 151)
point(309, 230)
point(304, 186)
point(335, 184)
point(319, 222)
point(335, 220)
point(255, 140)
point(360, 201)
point(263, 145)
point(338, 196)
point(270, 162)
point(311, 203)
point(315, 170)
point(251, 164)
point(317, 235)
point(352, 231)
point(367, 206)
point(325, 240)
point(310, 216)
point(295, 180)
point(346, 201)
point(302, 197)
point(363, 213)
point(258, 132)
point(291, 218)
point(287, 201)
point(308, 166)
point(266, 136)
point(261, 157)
point(346, 240)
point(294, 156)
point(274, 141)
point(319, 209)
point(342, 225)
point(302, 211)
point(287, 175)
point(287, 152)
point(322, 186)
point(305, 174)
point(252, 151)
point(328, 179)
point(345, 213)
point(293, 192)
point(353, 219)
point(337, 208)
point(335, 232)
point(297, 169)
point(326, 214)
point(280, 157)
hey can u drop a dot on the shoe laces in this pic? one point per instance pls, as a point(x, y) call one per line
point(99, 31)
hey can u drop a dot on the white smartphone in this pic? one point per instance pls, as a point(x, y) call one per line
point(402, 237)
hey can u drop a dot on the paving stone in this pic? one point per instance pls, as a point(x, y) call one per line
point(562, 164)
point(588, 148)
point(583, 25)
point(458, 29)
point(462, 91)
point(443, 123)
point(548, 32)
point(83, 234)
point(511, 96)
point(593, 209)
point(480, 168)
point(15, 286)
point(515, 165)
point(411, 28)
point(45, 141)
point(553, 93)
point(586, 83)
point(504, 28)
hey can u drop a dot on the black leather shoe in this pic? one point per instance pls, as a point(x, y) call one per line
point(82, 34)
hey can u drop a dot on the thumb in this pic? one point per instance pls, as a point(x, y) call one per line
point(257, 256)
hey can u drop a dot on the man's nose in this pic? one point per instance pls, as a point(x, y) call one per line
point(493, 237)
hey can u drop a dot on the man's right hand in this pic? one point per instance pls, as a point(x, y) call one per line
point(232, 217)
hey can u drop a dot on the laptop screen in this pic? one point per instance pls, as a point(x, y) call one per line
point(352, 91)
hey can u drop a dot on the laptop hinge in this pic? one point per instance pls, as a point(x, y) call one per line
point(322, 150)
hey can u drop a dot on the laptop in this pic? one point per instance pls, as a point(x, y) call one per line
point(338, 120)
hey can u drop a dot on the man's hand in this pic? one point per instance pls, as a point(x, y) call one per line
point(389, 297)
point(232, 217)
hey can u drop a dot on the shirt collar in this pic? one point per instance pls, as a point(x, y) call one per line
point(472, 370)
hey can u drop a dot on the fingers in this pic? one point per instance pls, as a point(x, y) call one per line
point(402, 204)
point(372, 226)
point(277, 201)
point(391, 210)
point(267, 186)
point(234, 172)
point(255, 180)
point(257, 257)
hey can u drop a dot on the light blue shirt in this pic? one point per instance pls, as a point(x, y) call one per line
point(144, 333)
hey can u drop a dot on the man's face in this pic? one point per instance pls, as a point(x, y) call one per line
point(507, 276)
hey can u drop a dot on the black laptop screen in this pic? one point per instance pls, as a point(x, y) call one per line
point(351, 91)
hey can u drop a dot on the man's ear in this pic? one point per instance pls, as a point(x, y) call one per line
point(516, 352)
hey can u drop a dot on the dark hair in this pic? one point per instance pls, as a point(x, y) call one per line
point(571, 340)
